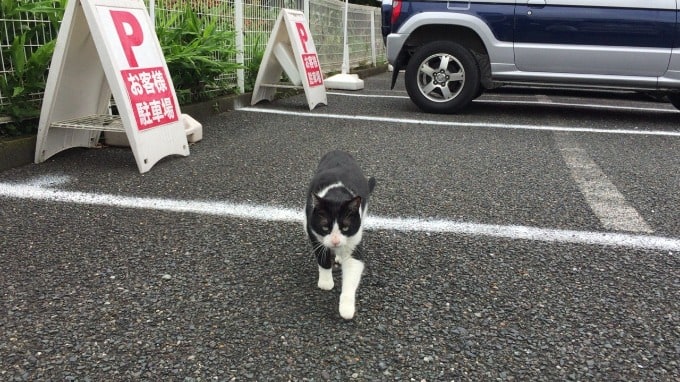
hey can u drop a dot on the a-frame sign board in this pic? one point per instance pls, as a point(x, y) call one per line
point(107, 47)
point(290, 49)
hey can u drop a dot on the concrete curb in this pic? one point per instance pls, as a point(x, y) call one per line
point(15, 152)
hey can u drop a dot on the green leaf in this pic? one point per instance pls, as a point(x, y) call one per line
point(18, 90)
point(17, 53)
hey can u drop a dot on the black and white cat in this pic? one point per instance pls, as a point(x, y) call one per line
point(336, 204)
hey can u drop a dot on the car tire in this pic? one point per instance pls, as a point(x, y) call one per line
point(675, 99)
point(442, 77)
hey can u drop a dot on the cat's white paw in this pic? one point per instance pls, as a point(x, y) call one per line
point(325, 284)
point(325, 279)
point(346, 306)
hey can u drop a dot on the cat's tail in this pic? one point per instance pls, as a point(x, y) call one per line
point(371, 184)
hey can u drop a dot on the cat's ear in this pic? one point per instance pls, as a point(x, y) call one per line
point(316, 200)
point(354, 204)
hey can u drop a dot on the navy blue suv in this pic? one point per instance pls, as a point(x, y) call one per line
point(453, 50)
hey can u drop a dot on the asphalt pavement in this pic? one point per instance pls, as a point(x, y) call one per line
point(496, 249)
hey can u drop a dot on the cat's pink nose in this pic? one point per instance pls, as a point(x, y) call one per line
point(335, 241)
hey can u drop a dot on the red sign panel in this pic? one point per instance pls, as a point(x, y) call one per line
point(312, 69)
point(310, 60)
point(150, 96)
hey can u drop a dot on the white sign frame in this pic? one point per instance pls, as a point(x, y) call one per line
point(290, 49)
point(103, 48)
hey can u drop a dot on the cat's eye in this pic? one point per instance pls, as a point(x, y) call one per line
point(344, 229)
point(325, 228)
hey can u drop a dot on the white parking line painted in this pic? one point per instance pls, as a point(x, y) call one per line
point(462, 124)
point(524, 101)
point(604, 199)
point(36, 191)
point(543, 99)
point(367, 95)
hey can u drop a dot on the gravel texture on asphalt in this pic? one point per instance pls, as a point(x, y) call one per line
point(106, 295)
point(90, 293)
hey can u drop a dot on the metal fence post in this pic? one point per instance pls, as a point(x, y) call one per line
point(374, 57)
point(238, 26)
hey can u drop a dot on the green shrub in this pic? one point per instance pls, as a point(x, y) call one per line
point(24, 84)
point(197, 52)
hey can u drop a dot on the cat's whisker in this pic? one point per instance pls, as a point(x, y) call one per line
point(323, 251)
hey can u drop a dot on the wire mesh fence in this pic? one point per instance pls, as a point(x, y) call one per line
point(326, 18)
point(21, 34)
point(251, 20)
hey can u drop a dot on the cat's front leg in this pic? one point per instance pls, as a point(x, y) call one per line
point(325, 260)
point(325, 278)
point(351, 276)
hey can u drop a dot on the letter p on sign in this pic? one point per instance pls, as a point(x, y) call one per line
point(129, 32)
point(302, 33)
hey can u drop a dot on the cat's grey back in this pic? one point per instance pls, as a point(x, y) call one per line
point(340, 166)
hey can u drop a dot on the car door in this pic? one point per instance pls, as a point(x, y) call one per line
point(598, 37)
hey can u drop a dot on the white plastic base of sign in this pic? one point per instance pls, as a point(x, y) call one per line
point(192, 128)
point(344, 81)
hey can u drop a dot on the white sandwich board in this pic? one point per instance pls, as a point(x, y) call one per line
point(290, 49)
point(107, 47)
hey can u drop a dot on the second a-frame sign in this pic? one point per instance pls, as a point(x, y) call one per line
point(290, 49)
point(107, 47)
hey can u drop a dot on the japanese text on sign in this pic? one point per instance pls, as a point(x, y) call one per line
point(151, 98)
point(312, 69)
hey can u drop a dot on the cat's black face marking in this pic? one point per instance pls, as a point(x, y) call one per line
point(328, 212)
